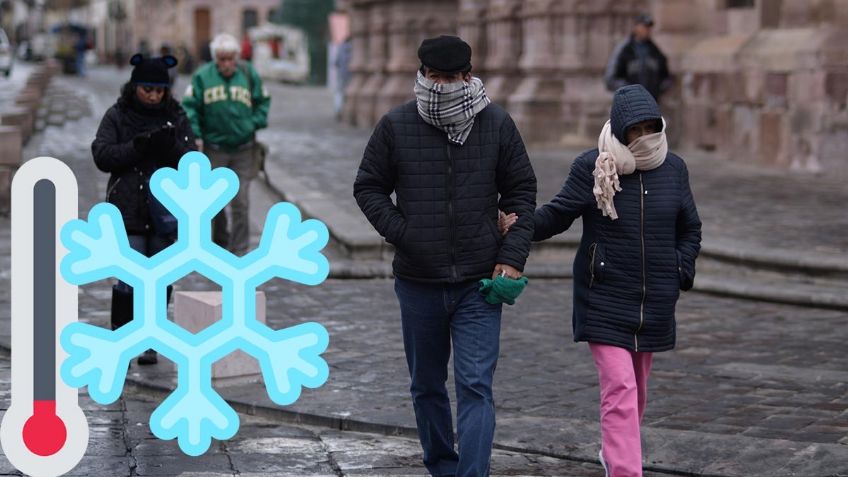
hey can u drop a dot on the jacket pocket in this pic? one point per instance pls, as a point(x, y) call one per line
point(597, 264)
point(685, 276)
point(401, 237)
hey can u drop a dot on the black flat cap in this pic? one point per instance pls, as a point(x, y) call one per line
point(448, 54)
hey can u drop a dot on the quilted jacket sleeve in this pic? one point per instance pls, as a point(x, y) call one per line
point(576, 195)
point(111, 155)
point(517, 189)
point(688, 233)
point(375, 182)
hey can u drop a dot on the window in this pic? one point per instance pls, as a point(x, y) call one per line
point(249, 19)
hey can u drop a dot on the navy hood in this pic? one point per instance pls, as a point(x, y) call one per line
point(631, 104)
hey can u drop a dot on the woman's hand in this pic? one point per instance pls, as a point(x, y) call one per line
point(505, 221)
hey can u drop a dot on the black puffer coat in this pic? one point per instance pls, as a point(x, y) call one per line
point(130, 170)
point(628, 273)
point(444, 226)
point(627, 66)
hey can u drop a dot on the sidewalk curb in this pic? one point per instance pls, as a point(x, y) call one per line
point(369, 255)
point(783, 260)
point(704, 283)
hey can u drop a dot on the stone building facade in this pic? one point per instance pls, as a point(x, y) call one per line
point(125, 24)
point(761, 81)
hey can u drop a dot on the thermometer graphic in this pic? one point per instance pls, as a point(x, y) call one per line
point(44, 433)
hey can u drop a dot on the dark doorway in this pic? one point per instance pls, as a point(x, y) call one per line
point(249, 19)
point(202, 33)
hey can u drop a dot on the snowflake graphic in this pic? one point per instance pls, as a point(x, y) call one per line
point(289, 359)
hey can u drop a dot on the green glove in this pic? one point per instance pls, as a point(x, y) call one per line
point(502, 289)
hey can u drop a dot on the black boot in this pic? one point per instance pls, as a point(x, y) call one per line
point(122, 308)
point(150, 356)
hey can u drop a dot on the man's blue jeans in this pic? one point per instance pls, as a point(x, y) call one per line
point(433, 316)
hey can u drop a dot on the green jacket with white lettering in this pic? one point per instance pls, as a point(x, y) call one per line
point(226, 111)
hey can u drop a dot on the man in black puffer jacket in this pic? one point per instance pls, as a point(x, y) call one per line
point(453, 159)
point(638, 60)
point(641, 236)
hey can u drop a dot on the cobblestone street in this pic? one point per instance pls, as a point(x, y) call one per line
point(753, 388)
point(121, 444)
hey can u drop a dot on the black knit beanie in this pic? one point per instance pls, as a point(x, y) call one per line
point(151, 71)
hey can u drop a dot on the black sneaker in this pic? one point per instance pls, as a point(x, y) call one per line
point(148, 357)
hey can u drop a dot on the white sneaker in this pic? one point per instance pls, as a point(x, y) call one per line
point(604, 464)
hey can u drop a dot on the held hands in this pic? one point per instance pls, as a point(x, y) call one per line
point(505, 221)
point(156, 141)
point(507, 271)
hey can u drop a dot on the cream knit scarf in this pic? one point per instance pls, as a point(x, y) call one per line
point(644, 154)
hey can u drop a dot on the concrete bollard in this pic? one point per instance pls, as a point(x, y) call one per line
point(10, 159)
point(6, 173)
point(37, 79)
point(52, 66)
point(10, 146)
point(196, 311)
point(28, 98)
point(21, 117)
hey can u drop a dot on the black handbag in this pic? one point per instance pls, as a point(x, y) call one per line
point(164, 222)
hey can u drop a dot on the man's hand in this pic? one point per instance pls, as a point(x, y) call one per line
point(199, 143)
point(505, 221)
point(507, 271)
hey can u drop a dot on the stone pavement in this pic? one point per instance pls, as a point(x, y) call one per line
point(121, 445)
point(755, 389)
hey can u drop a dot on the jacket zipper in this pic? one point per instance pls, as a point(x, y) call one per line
point(112, 188)
point(592, 249)
point(450, 214)
point(644, 279)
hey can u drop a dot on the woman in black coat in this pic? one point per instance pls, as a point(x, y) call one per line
point(144, 130)
point(641, 236)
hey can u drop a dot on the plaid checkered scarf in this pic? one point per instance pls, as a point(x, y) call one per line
point(451, 107)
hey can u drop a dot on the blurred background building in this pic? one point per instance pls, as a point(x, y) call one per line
point(761, 81)
point(755, 80)
point(187, 26)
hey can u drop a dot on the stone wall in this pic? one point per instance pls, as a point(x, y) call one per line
point(765, 84)
point(385, 36)
point(770, 85)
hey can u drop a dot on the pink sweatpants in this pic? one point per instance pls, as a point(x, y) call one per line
point(623, 375)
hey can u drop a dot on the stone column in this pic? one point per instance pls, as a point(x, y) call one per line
point(590, 31)
point(472, 29)
point(410, 22)
point(503, 49)
point(375, 74)
point(537, 101)
point(359, 16)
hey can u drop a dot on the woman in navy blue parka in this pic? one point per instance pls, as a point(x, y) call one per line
point(641, 236)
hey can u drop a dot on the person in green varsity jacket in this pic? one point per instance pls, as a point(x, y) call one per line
point(226, 104)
